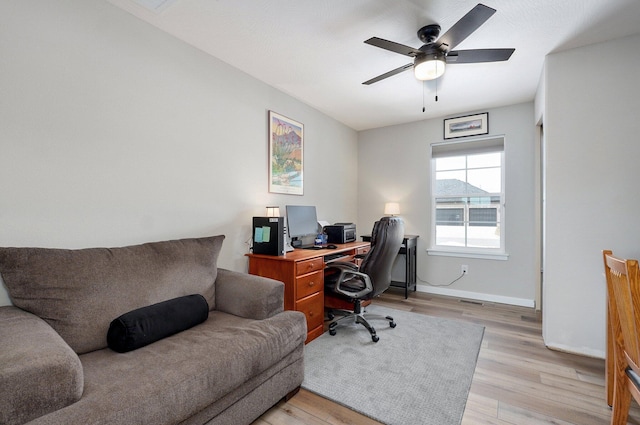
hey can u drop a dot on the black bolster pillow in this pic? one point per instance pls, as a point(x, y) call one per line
point(149, 324)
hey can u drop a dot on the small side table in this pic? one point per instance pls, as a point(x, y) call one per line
point(409, 249)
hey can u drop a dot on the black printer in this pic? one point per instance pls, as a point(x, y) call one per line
point(341, 232)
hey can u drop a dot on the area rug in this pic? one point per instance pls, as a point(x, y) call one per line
point(418, 373)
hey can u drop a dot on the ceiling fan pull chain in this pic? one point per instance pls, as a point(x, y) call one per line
point(436, 85)
point(423, 84)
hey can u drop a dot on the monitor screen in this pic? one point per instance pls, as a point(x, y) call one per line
point(302, 221)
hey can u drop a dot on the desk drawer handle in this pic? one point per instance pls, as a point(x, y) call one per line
point(311, 283)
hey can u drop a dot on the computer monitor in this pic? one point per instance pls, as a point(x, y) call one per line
point(302, 225)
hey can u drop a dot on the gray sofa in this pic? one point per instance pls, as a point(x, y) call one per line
point(56, 368)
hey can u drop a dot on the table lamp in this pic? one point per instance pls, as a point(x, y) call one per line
point(273, 211)
point(392, 208)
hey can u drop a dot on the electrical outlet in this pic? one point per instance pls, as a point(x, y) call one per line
point(464, 269)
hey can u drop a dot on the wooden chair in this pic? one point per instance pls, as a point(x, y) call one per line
point(623, 289)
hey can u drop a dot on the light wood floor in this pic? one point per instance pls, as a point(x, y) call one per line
point(518, 381)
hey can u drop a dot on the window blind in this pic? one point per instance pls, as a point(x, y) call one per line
point(471, 147)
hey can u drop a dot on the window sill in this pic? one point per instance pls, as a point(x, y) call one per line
point(502, 256)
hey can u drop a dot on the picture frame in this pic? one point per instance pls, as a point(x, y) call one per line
point(286, 155)
point(465, 126)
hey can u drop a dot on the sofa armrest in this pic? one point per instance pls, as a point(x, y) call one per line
point(246, 295)
point(39, 372)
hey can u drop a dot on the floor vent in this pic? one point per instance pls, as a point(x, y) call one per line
point(471, 302)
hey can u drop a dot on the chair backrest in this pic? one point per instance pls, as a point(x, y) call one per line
point(386, 239)
point(624, 305)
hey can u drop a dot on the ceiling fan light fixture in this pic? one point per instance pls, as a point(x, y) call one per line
point(429, 68)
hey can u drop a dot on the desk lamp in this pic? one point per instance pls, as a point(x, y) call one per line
point(392, 208)
point(273, 211)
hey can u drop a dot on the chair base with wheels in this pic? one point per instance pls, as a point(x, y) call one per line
point(360, 316)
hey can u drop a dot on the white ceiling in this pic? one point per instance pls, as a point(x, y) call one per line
point(313, 50)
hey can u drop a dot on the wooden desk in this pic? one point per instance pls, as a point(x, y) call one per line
point(302, 272)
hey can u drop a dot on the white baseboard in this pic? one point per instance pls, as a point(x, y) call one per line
point(522, 302)
point(589, 352)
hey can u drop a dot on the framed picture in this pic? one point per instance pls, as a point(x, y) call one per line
point(286, 155)
point(470, 125)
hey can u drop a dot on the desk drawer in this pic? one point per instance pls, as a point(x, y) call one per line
point(308, 266)
point(363, 250)
point(313, 308)
point(309, 284)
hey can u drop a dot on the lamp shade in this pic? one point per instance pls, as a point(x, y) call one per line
point(273, 211)
point(430, 68)
point(392, 208)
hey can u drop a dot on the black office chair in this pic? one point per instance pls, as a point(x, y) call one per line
point(350, 285)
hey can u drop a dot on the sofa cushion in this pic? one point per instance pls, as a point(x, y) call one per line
point(171, 380)
point(146, 325)
point(79, 292)
point(40, 373)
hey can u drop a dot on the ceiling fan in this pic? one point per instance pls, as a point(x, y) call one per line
point(430, 59)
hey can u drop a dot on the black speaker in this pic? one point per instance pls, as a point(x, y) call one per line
point(268, 235)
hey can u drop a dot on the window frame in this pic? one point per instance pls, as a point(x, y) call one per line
point(465, 148)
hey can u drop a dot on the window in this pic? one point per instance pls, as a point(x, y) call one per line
point(468, 196)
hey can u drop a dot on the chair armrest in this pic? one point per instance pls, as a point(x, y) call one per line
point(34, 359)
point(346, 272)
point(250, 296)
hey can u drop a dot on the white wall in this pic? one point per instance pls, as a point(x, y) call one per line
point(592, 128)
point(114, 133)
point(394, 165)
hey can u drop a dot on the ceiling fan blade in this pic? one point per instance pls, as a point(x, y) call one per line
point(388, 74)
point(479, 55)
point(464, 27)
point(393, 47)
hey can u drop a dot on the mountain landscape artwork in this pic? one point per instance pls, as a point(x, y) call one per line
point(286, 142)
